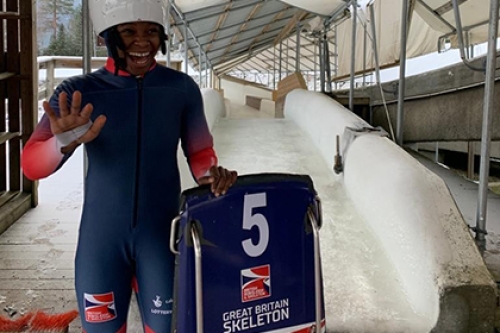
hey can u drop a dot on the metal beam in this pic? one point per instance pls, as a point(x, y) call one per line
point(251, 29)
point(239, 23)
point(436, 15)
point(402, 73)
point(241, 41)
point(181, 16)
point(247, 3)
point(488, 107)
point(297, 17)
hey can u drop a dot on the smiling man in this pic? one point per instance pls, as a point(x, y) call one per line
point(131, 115)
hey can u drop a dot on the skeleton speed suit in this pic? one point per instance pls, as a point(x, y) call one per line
point(132, 188)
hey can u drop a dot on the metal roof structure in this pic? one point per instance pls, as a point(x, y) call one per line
point(251, 35)
point(223, 36)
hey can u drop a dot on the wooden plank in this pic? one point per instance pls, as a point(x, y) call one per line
point(77, 62)
point(5, 136)
point(13, 210)
point(37, 247)
point(56, 285)
point(6, 75)
point(28, 64)
point(13, 96)
point(35, 264)
point(3, 148)
point(7, 196)
point(10, 15)
point(67, 239)
point(32, 274)
point(36, 232)
point(49, 255)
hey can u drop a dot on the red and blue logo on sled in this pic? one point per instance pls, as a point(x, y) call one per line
point(257, 257)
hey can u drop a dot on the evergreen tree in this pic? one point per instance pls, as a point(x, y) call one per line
point(74, 40)
point(52, 11)
point(58, 45)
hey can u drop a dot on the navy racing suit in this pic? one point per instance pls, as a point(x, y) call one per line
point(132, 189)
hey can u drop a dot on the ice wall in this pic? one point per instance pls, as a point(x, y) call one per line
point(411, 211)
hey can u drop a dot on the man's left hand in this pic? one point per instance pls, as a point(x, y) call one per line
point(221, 179)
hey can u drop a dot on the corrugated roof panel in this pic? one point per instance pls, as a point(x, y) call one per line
point(261, 21)
point(238, 16)
point(228, 32)
point(235, 29)
point(203, 12)
point(221, 43)
point(190, 5)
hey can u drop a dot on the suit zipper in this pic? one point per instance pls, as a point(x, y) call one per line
point(138, 155)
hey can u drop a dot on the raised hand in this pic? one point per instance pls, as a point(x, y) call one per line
point(73, 116)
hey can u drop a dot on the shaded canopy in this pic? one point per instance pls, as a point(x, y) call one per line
point(245, 34)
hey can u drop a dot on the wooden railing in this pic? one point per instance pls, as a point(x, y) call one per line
point(49, 64)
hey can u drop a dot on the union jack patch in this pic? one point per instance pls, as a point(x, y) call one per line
point(255, 283)
point(99, 308)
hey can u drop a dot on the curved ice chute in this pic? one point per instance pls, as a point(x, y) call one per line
point(351, 133)
point(322, 118)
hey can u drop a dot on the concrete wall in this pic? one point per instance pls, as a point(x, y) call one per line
point(214, 109)
point(441, 105)
point(237, 91)
point(412, 212)
point(460, 146)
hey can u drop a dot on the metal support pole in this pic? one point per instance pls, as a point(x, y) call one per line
point(199, 67)
point(287, 50)
point(87, 40)
point(402, 73)
point(377, 68)
point(336, 54)
point(274, 67)
point(489, 89)
point(459, 31)
point(322, 62)
point(315, 47)
point(328, 71)
point(297, 50)
point(206, 71)
point(364, 55)
point(169, 42)
point(470, 160)
point(281, 60)
point(86, 37)
point(185, 47)
point(353, 52)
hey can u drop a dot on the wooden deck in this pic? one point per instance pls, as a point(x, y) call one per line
point(37, 252)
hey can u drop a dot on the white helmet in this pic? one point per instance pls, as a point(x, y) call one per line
point(108, 13)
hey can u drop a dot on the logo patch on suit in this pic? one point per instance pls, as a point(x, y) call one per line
point(255, 283)
point(99, 308)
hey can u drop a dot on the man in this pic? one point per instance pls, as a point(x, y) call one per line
point(130, 115)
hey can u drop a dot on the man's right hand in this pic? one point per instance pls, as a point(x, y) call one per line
point(73, 117)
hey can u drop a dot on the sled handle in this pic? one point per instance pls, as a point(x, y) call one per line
point(198, 278)
point(317, 267)
point(173, 232)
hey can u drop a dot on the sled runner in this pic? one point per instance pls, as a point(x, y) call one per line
point(249, 261)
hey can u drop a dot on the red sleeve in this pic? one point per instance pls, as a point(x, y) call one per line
point(201, 161)
point(40, 157)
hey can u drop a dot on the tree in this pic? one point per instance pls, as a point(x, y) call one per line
point(75, 37)
point(68, 40)
point(52, 11)
point(58, 45)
